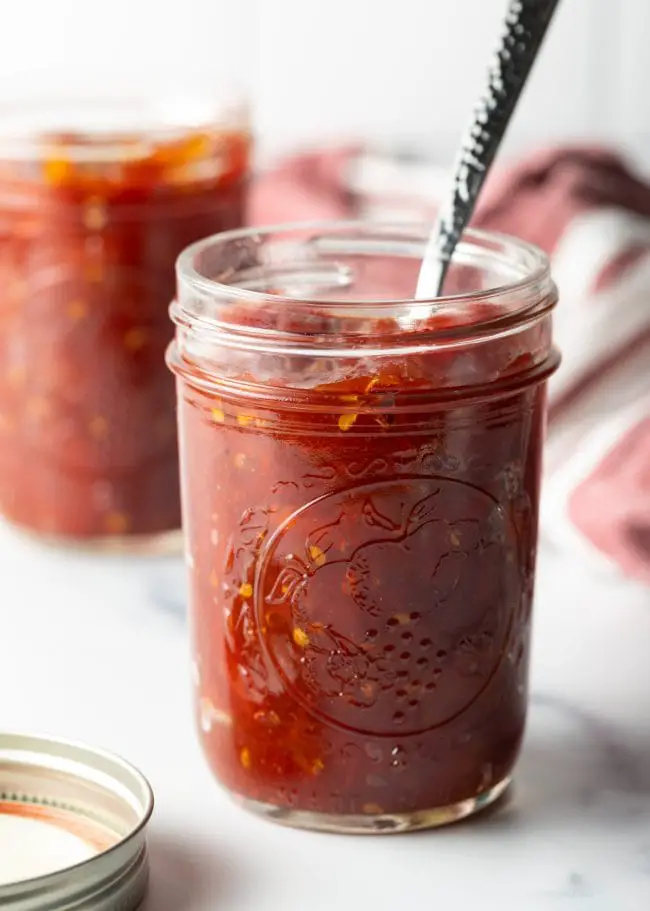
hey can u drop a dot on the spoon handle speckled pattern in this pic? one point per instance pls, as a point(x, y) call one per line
point(525, 26)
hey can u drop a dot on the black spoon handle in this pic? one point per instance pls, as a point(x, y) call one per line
point(525, 26)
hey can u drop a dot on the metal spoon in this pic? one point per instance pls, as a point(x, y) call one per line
point(526, 24)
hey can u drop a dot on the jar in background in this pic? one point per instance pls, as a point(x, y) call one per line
point(360, 480)
point(97, 199)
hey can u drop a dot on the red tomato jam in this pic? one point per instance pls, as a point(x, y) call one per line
point(361, 536)
point(89, 231)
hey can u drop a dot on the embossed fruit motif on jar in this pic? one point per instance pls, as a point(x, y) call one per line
point(360, 483)
point(97, 199)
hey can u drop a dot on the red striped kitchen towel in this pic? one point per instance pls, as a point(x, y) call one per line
point(587, 209)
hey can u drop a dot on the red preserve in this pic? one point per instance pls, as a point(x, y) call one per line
point(93, 213)
point(360, 480)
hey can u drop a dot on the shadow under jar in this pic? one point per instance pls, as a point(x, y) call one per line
point(360, 485)
point(96, 202)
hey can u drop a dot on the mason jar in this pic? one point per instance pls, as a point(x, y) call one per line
point(98, 196)
point(360, 487)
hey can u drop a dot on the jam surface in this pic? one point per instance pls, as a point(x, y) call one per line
point(361, 556)
point(88, 240)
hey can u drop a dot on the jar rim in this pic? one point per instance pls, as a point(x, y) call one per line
point(204, 304)
point(109, 126)
point(193, 280)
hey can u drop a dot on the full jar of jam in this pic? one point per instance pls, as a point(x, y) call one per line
point(360, 484)
point(97, 199)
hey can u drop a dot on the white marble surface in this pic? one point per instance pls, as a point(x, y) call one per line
point(95, 648)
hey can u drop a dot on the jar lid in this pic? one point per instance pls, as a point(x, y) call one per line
point(72, 827)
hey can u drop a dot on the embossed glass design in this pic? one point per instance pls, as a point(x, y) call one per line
point(96, 202)
point(360, 483)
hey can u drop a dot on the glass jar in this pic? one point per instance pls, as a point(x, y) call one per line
point(360, 485)
point(97, 199)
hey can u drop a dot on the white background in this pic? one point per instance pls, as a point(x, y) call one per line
point(384, 69)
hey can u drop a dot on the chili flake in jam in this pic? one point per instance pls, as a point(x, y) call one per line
point(90, 226)
point(362, 544)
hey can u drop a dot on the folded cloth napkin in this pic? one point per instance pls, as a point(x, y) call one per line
point(592, 216)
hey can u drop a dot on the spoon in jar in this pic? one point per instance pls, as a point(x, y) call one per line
point(525, 26)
